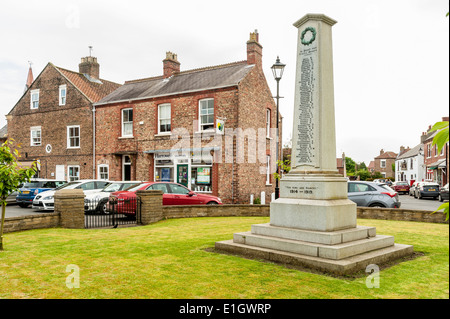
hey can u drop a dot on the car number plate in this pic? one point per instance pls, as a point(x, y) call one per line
point(431, 189)
point(25, 192)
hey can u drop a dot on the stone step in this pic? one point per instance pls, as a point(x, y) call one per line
point(344, 266)
point(335, 252)
point(319, 237)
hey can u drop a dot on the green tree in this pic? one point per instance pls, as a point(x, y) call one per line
point(363, 174)
point(440, 139)
point(350, 165)
point(11, 176)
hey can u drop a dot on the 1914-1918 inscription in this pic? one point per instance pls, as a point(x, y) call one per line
point(305, 142)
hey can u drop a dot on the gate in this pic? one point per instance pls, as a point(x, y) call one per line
point(105, 213)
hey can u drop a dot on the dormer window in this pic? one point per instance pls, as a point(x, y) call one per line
point(34, 101)
point(62, 94)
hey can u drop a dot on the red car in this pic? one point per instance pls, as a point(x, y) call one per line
point(401, 187)
point(124, 202)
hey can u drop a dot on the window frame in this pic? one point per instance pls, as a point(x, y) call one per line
point(200, 124)
point(61, 88)
point(268, 179)
point(268, 122)
point(165, 119)
point(383, 163)
point(69, 137)
point(99, 167)
point(69, 177)
point(122, 123)
point(33, 92)
point(35, 129)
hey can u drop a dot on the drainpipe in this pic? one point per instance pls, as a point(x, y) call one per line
point(93, 141)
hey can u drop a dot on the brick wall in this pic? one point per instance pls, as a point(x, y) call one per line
point(53, 120)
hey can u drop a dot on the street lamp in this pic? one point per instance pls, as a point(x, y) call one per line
point(277, 70)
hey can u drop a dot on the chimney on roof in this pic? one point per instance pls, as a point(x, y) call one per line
point(381, 151)
point(445, 119)
point(254, 49)
point(30, 78)
point(170, 65)
point(402, 149)
point(90, 67)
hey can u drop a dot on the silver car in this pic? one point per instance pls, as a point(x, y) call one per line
point(370, 194)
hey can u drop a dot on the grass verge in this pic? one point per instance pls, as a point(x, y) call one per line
point(171, 259)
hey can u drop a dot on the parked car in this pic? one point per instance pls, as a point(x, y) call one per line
point(400, 187)
point(45, 200)
point(412, 188)
point(124, 202)
point(443, 193)
point(370, 194)
point(29, 190)
point(11, 199)
point(426, 189)
point(96, 202)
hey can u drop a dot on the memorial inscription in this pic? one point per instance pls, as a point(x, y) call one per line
point(308, 103)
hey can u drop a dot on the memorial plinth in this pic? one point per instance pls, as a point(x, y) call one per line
point(313, 223)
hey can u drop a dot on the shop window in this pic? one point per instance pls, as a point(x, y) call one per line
point(164, 174)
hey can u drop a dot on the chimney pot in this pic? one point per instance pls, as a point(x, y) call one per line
point(170, 65)
point(254, 49)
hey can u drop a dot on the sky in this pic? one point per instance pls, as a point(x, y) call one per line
point(390, 58)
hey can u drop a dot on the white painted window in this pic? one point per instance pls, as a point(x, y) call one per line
point(268, 122)
point(382, 163)
point(268, 170)
point(34, 100)
point(73, 136)
point(73, 172)
point(127, 122)
point(62, 94)
point(206, 114)
point(35, 136)
point(412, 164)
point(103, 171)
point(164, 118)
point(428, 150)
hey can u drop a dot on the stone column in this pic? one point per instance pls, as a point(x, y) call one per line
point(313, 195)
point(70, 204)
point(151, 206)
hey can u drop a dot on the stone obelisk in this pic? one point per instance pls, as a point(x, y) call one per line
point(313, 195)
point(313, 223)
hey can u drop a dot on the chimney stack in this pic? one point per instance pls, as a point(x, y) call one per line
point(170, 65)
point(90, 67)
point(254, 49)
point(381, 151)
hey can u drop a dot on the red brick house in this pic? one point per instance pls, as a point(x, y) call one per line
point(53, 120)
point(211, 129)
point(436, 162)
point(383, 163)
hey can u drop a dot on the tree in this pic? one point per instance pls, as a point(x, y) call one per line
point(350, 165)
point(11, 176)
point(440, 139)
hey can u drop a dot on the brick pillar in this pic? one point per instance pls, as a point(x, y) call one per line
point(151, 206)
point(70, 204)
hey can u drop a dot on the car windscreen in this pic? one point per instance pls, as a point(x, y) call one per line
point(32, 185)
point(133, 188)
point(68, 185)
point(402, 183)
point(114, 187)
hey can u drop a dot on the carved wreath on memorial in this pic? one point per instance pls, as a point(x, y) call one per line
point(302, 38)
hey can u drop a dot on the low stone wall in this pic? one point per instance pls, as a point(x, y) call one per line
point(401, 214)
point(52, 220)
point(215, 211)
point(44, 220)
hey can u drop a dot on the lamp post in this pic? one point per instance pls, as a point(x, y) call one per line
point(277, 70)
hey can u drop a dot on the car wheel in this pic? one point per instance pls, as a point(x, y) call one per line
point(377, 205)
point(23, 205)
point(102, 207)
point(211, 203)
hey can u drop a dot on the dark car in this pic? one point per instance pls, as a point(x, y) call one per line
point(401, 187)
point(426, 189)
point(124, 202)
point(29, 190)
point(370, 194)
point(443, 193)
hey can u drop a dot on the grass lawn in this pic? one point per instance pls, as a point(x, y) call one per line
point(171, 259)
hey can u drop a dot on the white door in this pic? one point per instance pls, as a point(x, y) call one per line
point(60, 173)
